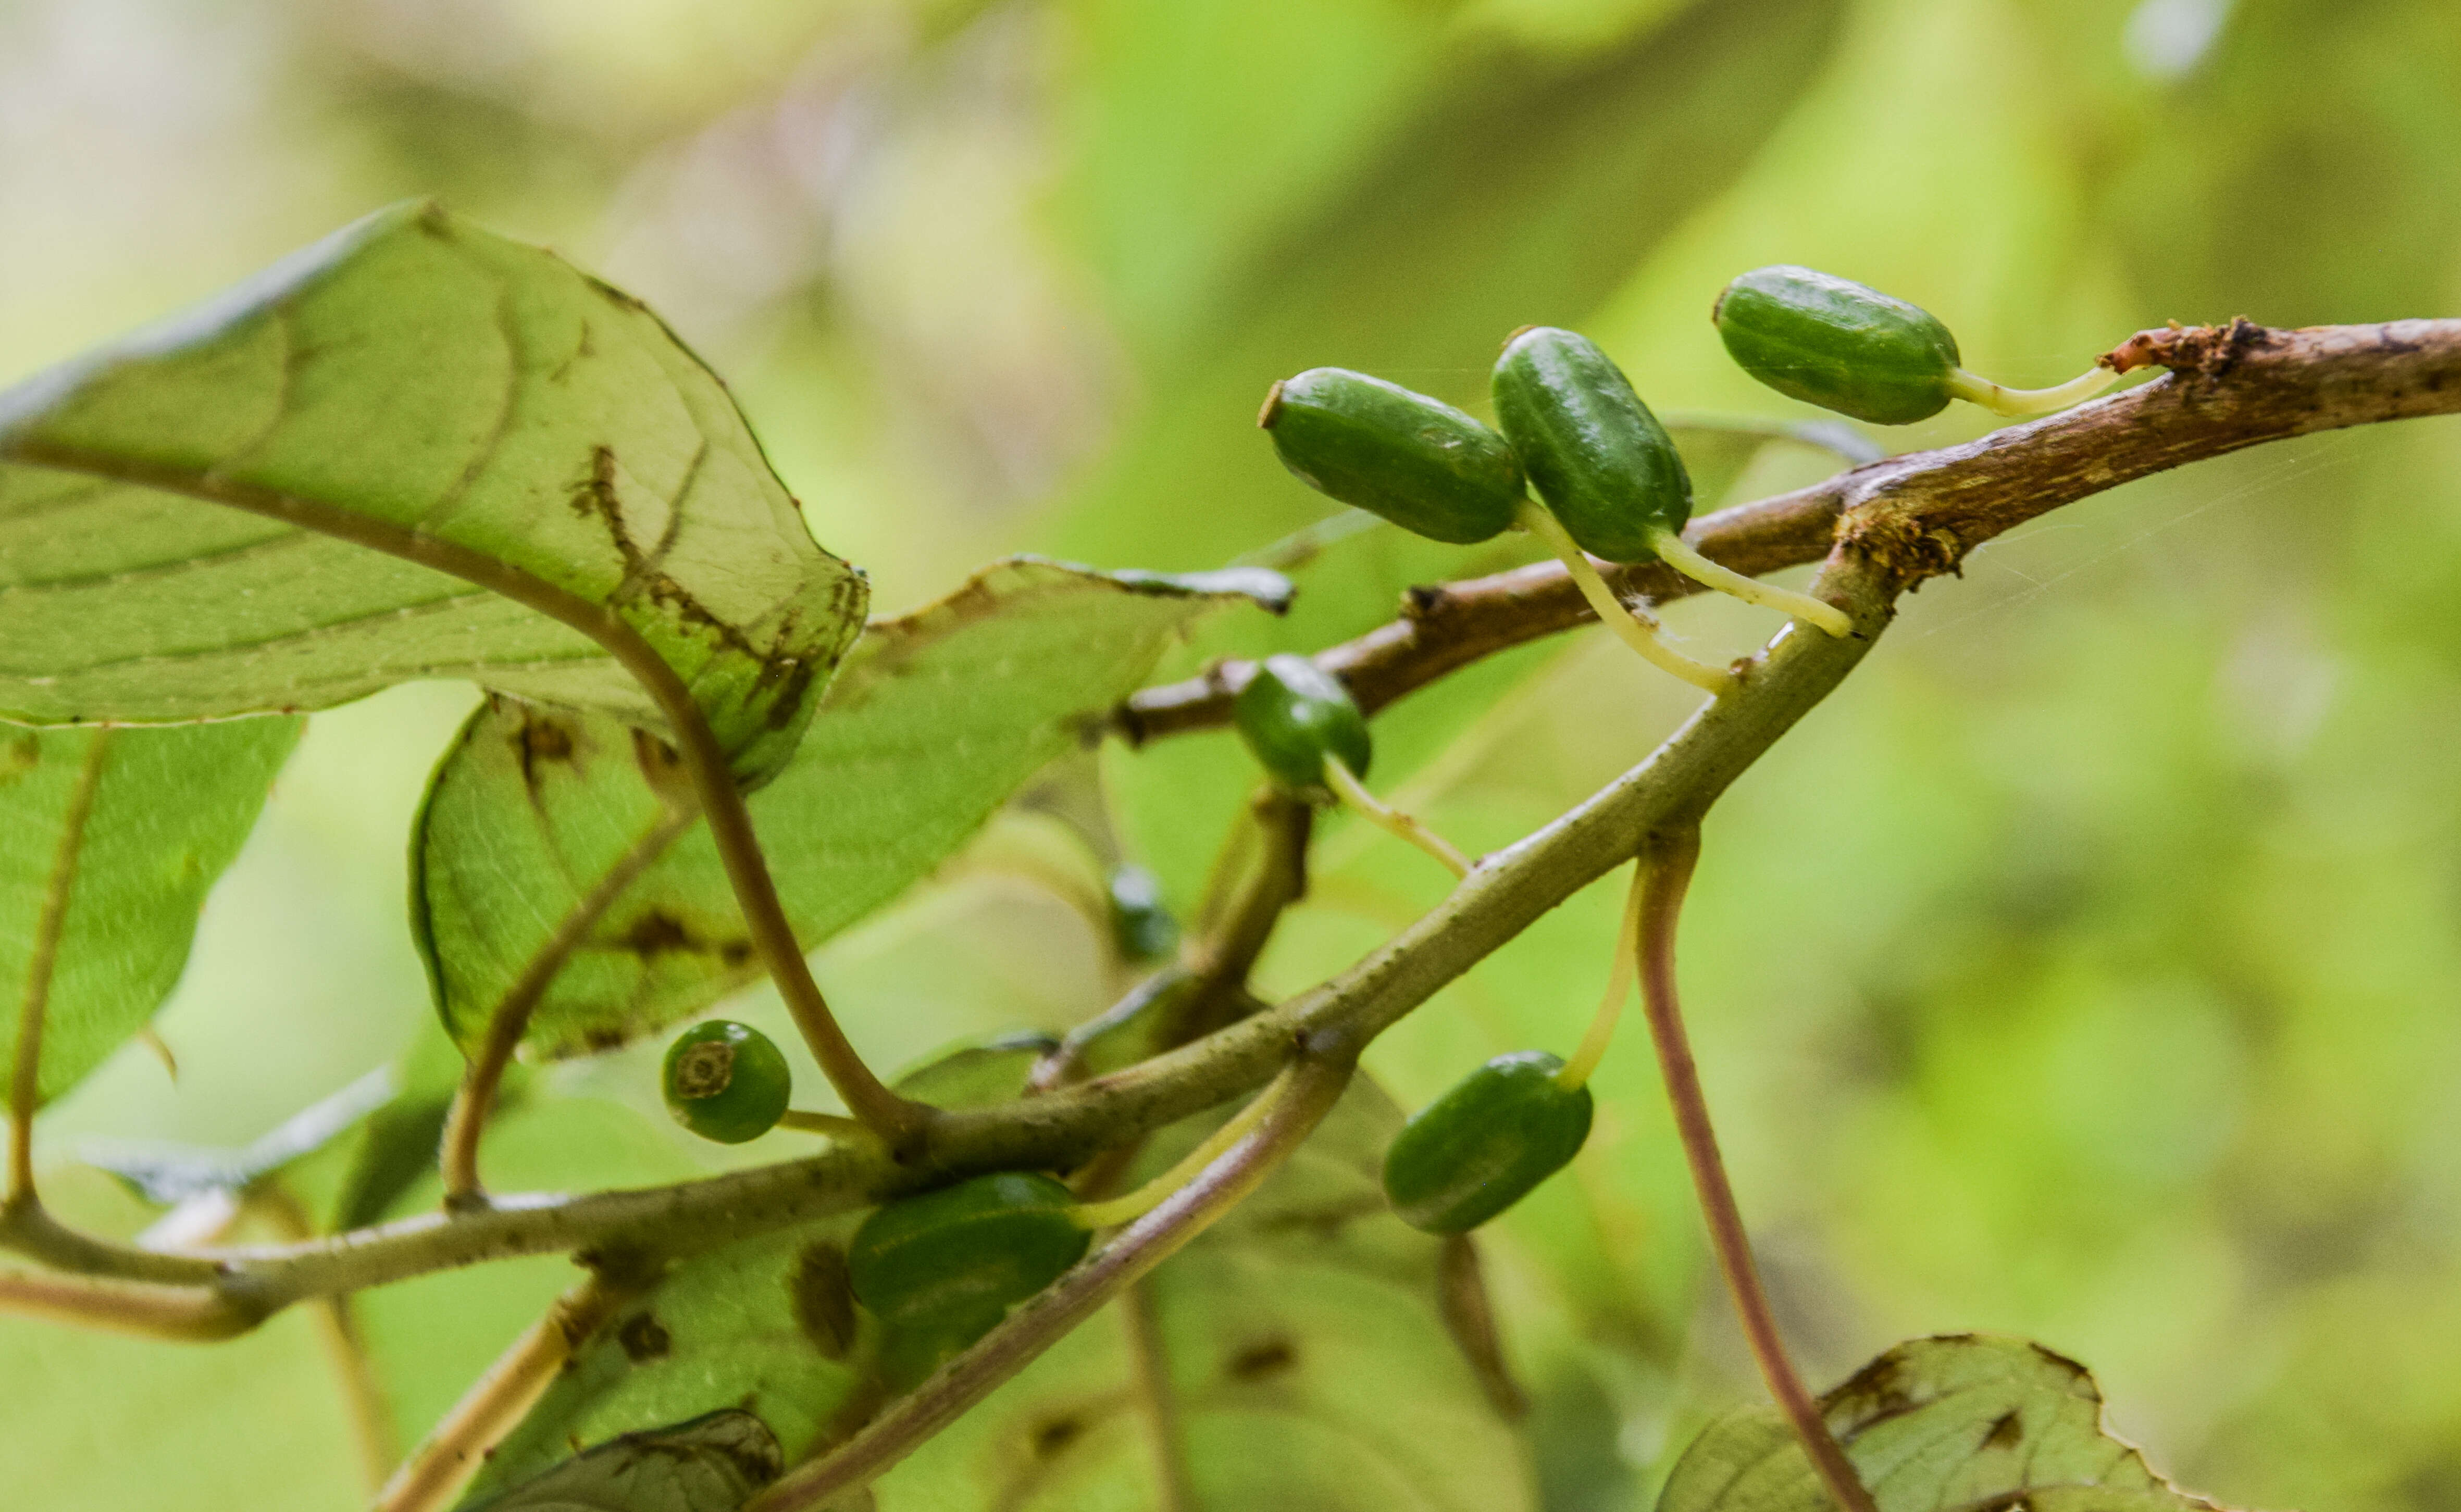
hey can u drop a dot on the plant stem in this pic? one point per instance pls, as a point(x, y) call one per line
point(437, 1469)
point(1666, 872)
point(1347, 787)
point(1637, 630)
point(1577, 1071)
point(1150, 1368)
point(1678, 553)
point(26, 1084)
point(832, 1126)
point(476, 1097)
point(1469, 1317)
point(2230, 387)
point(721, 803)
point(2019, 403)
point(189, 1313)
point(1127, 1208)
point(337, 1333)
point(1315, 1082)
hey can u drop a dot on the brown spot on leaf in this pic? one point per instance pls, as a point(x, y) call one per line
point(20, 757)
point(1054, 1435)
point(645, 1338)
point(824, 1299)
point(1877, 1390)
point(2005, 1433)
point(542, 739)
point(1262, 1360)
point(655, 932)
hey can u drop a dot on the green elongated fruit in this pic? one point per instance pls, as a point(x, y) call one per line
point(726, 1081)
point(1596, 455)
point(1417, 461)
point(1481, 1146)
point(948, 1263)
point(1293, 713)
point(1832, 342)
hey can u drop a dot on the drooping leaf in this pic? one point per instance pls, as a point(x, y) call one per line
point(1956, 1421)
point(937, 717)
point(769, 1324)
point(411, 374)
point(713, 1463)
point(765, 1325)
point(109, 840)
point(1308, 1320)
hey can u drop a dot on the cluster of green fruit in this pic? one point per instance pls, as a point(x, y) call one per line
point(1612, 485)
point(943, 1266)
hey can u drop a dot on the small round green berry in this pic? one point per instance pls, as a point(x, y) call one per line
point(1481, 1146)
point(726, 1081)
point(1834, 342)
point(949, 1262)
point(1599, 460)
point(1292, 715)
point(1417, 461)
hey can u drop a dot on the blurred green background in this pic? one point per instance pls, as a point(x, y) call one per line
point(2086, 969)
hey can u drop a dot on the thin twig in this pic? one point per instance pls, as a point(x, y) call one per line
point(1666, 869)
point(440, 1467)
point(1316, 1080)
point(721, 803)
point(476, 1096)
point(1149, 1365)
point(152, 1310)
point(345, 1347)
point(2230, 387)
point(1066, 1125)
point(25, 1081)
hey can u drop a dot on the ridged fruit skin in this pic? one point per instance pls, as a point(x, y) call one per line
point(1292, 713)
point(948, 1263)
point(726, 1081)
point(1417, 461)
point(1832, 342)
point(1596, 455)
point(1481, 1146)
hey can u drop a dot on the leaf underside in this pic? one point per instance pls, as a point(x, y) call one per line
point(1962, 1421)
point(168, 811)
point(713, 1463)
point(935, 719)
point(1307, 1320)
point(419, 374)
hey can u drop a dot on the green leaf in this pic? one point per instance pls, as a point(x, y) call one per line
point(937, 717)
point(1307, 1321)
point(713, 1463)
point(109, 840)
point(766, 1324)
point(1956, 1421)
point(410, 373)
